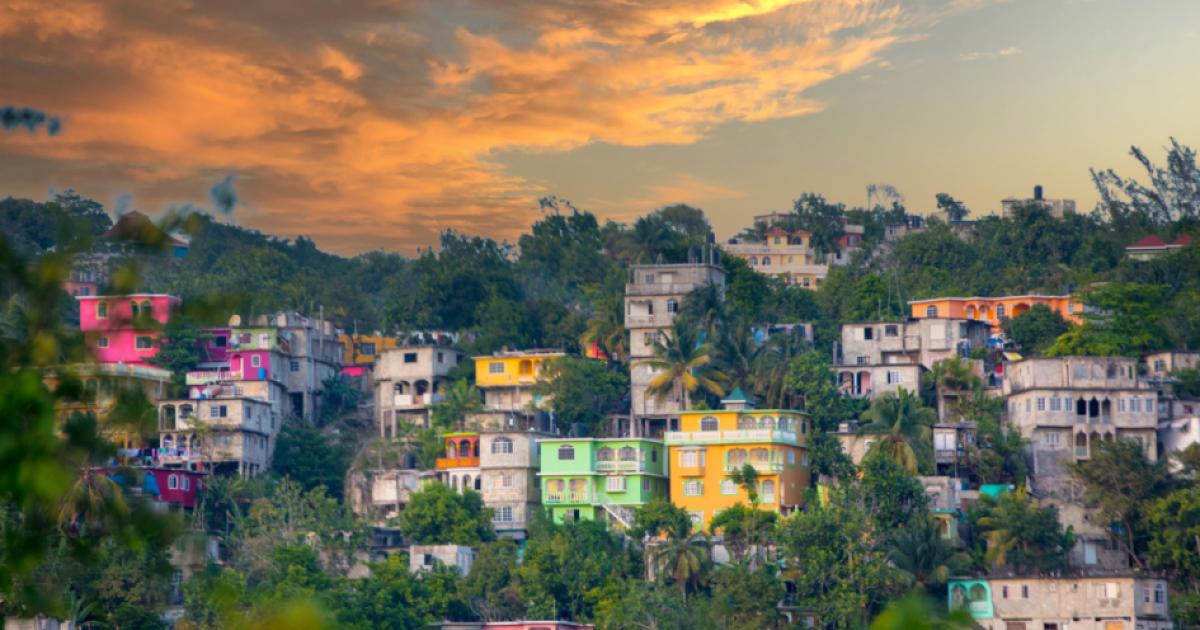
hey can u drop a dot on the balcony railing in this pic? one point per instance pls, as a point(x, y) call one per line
point(457, 462)
point(567, 498)
point(415, 400)
point(720, 437)
point(759, 466)
point(661, 288)
point(622, 466)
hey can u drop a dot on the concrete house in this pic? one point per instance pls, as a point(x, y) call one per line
point(601, 478)
point(1113, 602)
point(508, 465)
point(407, 381)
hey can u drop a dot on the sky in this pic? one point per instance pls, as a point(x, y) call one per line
point(376, 124)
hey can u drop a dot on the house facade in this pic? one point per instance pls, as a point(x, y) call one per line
point(994, 309)
point(407, 381)
point(458, 468)
point(124, 328)
point(712, 444)
point(508, 378)
point(1115, 602)
point(601, 479)
point(652, 298)
point(220, 435)
point(787, 255)
point(102, 384)
point(508, 466)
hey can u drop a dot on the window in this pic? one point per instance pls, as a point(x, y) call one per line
point(441, 357)
point(411, 357)
point(672, 306)
point(691, 458)
point(1024, 591)
point(294, 365)
point(1070, 307)
point(1146, 594)
point(1000, 312)
point(1160, 594)
point(627, 454)
point(766, 261)
point(185, 482)
point(931, 311)
point(649, 278)
point(891, 330)
point(1135, 405)
point(868, 333)
point(495, 367)
point(173, 482)
point(502, 446)
point(893, 377)
point(367, 348)
point(504, 514)
point(1050, 439)
point(506, 480)
point(142, 342)
point(101, 310)
point(256, 360)
point(693, 488)
point(566, 453)
point(133, 308)
point(1055, 404)
point(1004, 592)
point(1041, 404)
point(654, 455)
point(264, 340)
point(767, 491)
point(102, 342)
point(709, 423)
point(615, 484)
point(860, 360)
point(604, 454)
point(646, 484)
point(791, 458)
point(1112, 590)
point(728, 488)
point(220, 341)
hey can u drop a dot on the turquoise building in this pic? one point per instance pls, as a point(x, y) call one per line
point(601, 479)
point(973, 596)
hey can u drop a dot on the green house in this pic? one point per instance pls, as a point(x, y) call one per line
point(974, 596)
point(601, 478)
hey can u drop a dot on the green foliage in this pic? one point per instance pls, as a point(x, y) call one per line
point(914, 612)
point(461, 399)
point(1173, 525)
point(307, 456)
point(565, 564)
point(1187, 382)
point(583, 391)
point(1119, 483)
point(894, 497)
point(744, 529)
point(955, 210)
point(820, 218)
point(684, 365)
point(905, 427)
point(179, 351)
point(338, 398)
point(1035, 330)
point(743, 597)
point(923, 556)
point(1020, 534)
point(437, 515)
point(659, 516)
point(1128, 322)
point(490, 589)
point(810, 375)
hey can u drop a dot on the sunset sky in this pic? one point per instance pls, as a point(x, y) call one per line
point(376, 123)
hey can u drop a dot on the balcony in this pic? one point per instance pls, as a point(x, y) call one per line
point(457, 462)
point(415, 400)
point(762, 467)
point(732, 437)
point(207, 377)
point(569, 498)
point(660, 288)
point(627, 466)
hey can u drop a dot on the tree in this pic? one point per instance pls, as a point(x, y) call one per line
point(682, 557)
point(565, 565)
point(1119, 484)
point(1020, 534)
point(1173, 524)
point(915, 612)
point(892, 495)
point(658, 516)
point(821, 219)
point(305, 455)
point(338, 397)
point(955, 210)
point(683, 365)
point(1173, 193)
point(437, 515)
point(744, 530)
point(1035, 330)
point(583, 391)
point(953, 383)
point(905, 426)
point(809, 374)
point(459, 400)
point(490, 589)
point(923, 556)
point(179, 351)
point(744, 597)
point(1126, 321)
point(642, 605)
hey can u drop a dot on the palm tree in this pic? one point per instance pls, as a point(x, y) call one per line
point(459, 400)
point(94, 502)
point(952, 381)
point(923, 557)
point(705, 304)
point(684, 365)
point(738, 356)
point(772, 368)
point(683, 557)
point(1022, 534)
point(905, 425)
point(607, 328)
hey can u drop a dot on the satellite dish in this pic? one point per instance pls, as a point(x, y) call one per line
point(235, 320)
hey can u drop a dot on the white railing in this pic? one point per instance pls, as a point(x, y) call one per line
point(621, 466)
point(744, 435)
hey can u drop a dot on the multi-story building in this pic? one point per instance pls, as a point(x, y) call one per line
point(218, 435)
point(771, 440)
point(407, 381)
point(602, 479)
point(1108, 602)
point(652, 298)
point(311, 349)
point(508, 465)
point(878, 357)
point(459, 467)
point(1160, 365)
point(124, 328)
point(1057, 207)
point(995, 309)
point(788, 255)
point(380, 494)
point(102, 385)
point(361, 352)
point(508, 380)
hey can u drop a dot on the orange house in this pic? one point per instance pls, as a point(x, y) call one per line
point(994, 309)
point(711, 444)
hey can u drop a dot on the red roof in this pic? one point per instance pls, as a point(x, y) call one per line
point(1183, 241)
point(1149, 241)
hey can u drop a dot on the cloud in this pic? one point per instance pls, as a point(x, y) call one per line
point(989, 55)
point(375, 123)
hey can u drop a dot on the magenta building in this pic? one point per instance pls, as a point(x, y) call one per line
point(124, 328)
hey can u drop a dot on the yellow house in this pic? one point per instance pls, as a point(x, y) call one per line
point(363, 350)
point(507, 378)
point(711, 444)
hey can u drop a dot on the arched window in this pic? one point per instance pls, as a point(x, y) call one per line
point(759, 455)
point(464, 448)
point(767, 491)
point(628, 454)
point(147, 310)
point(766, 422)
point(133, 309)
point(1000, 311)
point(168, 442)
point(736, 458)
point(746, 422)
point(566, 453)
point(766, 260)
point(803, 426)
point(605, 454)
point(479, 483)
point(672, 306)
point(930, 311)
point(754, 260)
point(466, 482)
point(709, 423)
point(173, 482)
point(502, 445)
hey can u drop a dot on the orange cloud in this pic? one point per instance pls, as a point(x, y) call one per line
point(374, 124)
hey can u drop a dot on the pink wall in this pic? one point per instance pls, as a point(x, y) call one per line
point(210, 352)
point(113, 339)
point(242, 361)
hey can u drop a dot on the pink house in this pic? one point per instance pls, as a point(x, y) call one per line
point(124, 328)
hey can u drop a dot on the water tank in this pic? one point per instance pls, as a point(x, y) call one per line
point(1037, 192)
